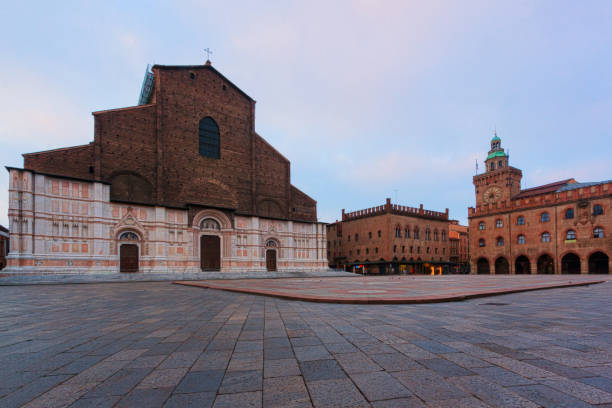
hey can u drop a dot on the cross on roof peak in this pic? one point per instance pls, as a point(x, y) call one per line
point(208, 52)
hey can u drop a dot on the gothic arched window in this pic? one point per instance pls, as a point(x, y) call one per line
point(521, 239)
point(208, 133)
point(545, 237)
point(570, 235)
point(520, 220)
point(598, 232)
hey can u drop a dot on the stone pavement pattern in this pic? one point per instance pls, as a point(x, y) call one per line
point(158, 344)
point(395, 288)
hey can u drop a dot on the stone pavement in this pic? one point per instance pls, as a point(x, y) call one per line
point(60, 279)
point(158, 344)
point(359, 289)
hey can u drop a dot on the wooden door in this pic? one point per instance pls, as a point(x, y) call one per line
point(271, 259)
point(128, 258)
point(210, 253)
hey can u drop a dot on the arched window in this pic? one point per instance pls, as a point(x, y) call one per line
point(521, 239)
point(598, 232)
point(500, 241)
point(129, 236)
point(570, 235)
point(209, 224)
point(492, 165)
point(435, 235)
point(443, 235)
point(569, 213)
point(407, 232)
point(427, 234)
point(597, 209)
point(544, 217)
point(370, 234)
point(208, 133)
point(481, 225)
point(398, 232)
point(520, 220)
point(416, 233)
point(356, 237)
point(545, 237)
point(499, 223)
point(481, 242)
point(379, 233)
point(499, 164)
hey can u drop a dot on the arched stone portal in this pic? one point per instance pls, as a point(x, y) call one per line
point(210, 253)
point(546, 265)
point(599, 263)
point(482, 267)
point(501, 266)
point(522, 266)
point(570, 264)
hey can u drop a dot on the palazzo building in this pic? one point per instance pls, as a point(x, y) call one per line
point(180, 183)
point(561, 227)
point(390, 238)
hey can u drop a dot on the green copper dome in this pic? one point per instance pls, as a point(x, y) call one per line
point(498, 153)
point(495, 139)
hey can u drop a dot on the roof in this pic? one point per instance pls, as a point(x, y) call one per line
point(496, 138)
point(498, 153)
point(576, 185)
point(546, 188)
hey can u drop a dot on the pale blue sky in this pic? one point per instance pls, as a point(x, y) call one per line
point(364, 97)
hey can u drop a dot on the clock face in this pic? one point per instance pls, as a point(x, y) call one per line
point(492, 194)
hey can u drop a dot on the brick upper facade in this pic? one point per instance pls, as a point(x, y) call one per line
point(149, 153)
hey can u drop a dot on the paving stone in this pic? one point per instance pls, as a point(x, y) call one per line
point(283, 392)
point(246, 361)
point(379, 385)
point(242, 400)
point(603, 383)
point(200, 381)
point(145, 397)
point(502, 376)
point(60, 396)
point(251, 345)
point(445, 367)
point(394, 362)
point(357, 363)
point(321, 370)
point(491, 393)
point(468, 402)
point(305, 341)
point(465, 360)
point(180, 359)
point(193, 400)
point(278, 353)
point(212, 360)
point(335, 393)
point(410, 402)
point(146, 362)
point(414, 352)
point(119, 383)
point(428, 385)
point(276, 342)
point(339, 348)
point(308, 353)
point(126, 355)
point(549, 397)
point(159, 378)
point(580, 390)
point(433, 346)
point(97, 402)
point(241, 381)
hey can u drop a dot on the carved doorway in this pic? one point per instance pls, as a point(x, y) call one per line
point(271, 259)
point(128, 258)
point(210, 253)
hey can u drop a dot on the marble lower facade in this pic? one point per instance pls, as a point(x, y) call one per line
point(59, 225)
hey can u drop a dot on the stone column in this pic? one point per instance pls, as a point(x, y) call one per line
point(534, 267)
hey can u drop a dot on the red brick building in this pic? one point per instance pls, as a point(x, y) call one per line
point(4, 246)
point(390, 238)
point(459, 247)
point(561, 227)
point(181, 182)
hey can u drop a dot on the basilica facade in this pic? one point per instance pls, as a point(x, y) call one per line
point(561, 227)
point(181, 182)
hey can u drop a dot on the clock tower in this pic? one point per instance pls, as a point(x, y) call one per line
point(500, 182)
